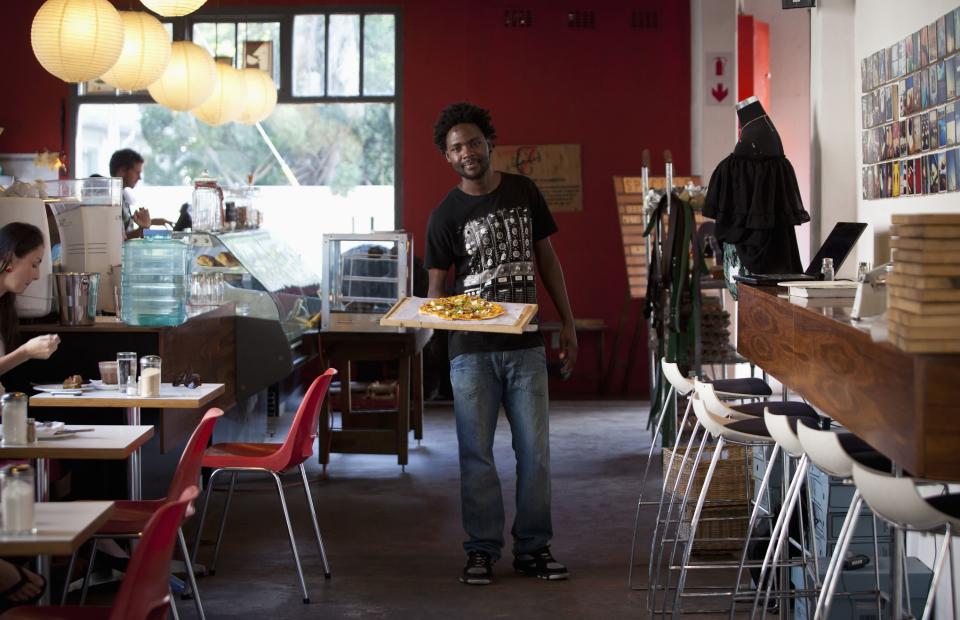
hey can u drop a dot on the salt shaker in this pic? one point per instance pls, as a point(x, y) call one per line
point(16, 505)
point(131, 388)
point(14, 419)
point(827, 269)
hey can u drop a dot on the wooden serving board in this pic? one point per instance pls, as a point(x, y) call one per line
point(924, 295)
point(927, 257)
point(406, 313)
point(924, 333)
point(917, 243)
point(926, 218)
point(926, 269)
point(925, 231)
point(902, 317)
point(923, 308)
point(925, 346)
point(920, 282)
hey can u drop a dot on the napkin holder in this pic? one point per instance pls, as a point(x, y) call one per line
point(871, 298)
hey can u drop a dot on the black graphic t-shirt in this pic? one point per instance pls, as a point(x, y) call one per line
point(489, 239)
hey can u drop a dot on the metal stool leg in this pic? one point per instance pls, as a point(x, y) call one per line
point(666, 477)
point(694, 522)
point(764, 487)
point(66, 582)
point(937, 573)
point(223, 523)
point(835, 559)
point(86, 578)
point(316, 526)
point(293, 543)
point(841, 552)
point(683, 507)
point(174, 612)
point(782, 545)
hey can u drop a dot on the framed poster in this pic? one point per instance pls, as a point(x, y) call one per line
point(258, 55)
point(555, 168)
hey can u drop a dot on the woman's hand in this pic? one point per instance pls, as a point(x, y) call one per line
point(41, 347)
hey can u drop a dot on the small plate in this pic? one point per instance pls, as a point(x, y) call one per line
point(59, 389)
point(100, 385)
point(48, 429)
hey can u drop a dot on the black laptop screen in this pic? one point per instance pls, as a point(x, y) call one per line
point(837, 246)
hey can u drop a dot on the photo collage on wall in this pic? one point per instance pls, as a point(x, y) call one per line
point(911, 113)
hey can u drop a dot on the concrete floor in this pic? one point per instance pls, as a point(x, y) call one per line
point(394, 539)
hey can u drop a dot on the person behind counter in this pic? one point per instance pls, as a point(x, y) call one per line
point(127, 164)
point(21, 250)
point(488, 370)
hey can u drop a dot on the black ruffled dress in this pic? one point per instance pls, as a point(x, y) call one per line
point(754, 198)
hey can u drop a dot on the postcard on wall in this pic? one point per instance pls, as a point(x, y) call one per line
point(555, 168)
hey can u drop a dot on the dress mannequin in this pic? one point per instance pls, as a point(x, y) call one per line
point(754, 197)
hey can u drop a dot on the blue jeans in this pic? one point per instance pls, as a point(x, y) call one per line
point(481, 383)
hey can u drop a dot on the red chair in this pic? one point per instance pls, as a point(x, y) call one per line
point(130, 517)
point(273, 459)
point(144, 593)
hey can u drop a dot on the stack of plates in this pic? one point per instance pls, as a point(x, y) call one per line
point(924, 288)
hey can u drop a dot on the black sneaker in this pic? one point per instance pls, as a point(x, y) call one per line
point(540, 564)
point(479, 569)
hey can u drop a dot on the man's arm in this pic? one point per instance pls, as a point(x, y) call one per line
point(438, 280)
point(552, 274)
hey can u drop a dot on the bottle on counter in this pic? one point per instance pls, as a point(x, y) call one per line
point(155, 280)
point(827, 269)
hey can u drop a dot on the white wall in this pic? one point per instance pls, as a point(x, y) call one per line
point(879, 24)
point(790, 92)
point(713, 131)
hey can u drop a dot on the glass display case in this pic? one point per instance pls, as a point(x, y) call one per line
point(364, 276)
point(264, 276)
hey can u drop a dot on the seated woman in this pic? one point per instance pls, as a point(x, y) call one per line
point(21, 250)
point(18, 586)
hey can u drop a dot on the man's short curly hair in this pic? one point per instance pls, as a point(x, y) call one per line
point(457, 113)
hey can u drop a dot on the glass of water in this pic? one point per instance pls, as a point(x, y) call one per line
point(126, 367)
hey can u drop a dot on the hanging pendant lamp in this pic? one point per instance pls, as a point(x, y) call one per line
point(226, 102)
point(77, 40)
point(261, 96)
point(146, 52)
point(188, 80)
point(173, 8)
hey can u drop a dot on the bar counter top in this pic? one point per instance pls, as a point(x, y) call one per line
point(903, 404)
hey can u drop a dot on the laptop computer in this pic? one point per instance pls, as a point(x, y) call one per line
point(836, 246)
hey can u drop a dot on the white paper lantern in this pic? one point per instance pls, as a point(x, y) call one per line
point(173, 8)
point(146, 52)
point(260, 99)
point(77, 40)
point(226, 102)
point(188, 80)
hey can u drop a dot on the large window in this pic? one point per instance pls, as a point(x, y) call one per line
point(334, 125)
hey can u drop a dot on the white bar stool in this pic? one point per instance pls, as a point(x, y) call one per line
point(898, 501)
point(834, 453)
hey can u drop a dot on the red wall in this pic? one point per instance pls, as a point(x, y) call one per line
point(613, 89)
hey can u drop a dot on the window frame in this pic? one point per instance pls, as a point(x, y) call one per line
point(183, 31)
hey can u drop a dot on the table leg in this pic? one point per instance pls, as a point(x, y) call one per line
point(403, 410)
point(42, 482)
point(416, 385)
point(133, 465)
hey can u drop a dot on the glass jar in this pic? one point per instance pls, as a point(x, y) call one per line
point(207, 209)
point(14, 419)
point(16, 505)
point(150, 376)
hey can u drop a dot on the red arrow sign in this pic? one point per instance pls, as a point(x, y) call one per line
point(719, 66)
point(719, 92)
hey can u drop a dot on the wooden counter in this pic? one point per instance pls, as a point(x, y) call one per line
point(902, 404)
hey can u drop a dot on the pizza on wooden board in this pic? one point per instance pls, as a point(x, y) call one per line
point(462, 308)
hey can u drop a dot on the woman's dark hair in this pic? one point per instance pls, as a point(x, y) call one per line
point(457, 113)
point(17, 239)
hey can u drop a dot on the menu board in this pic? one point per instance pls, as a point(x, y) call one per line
point(629, 193)
point(555, 168)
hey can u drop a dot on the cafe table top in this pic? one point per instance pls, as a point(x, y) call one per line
point(171, 397)
point(61, 528)
point(103, 442)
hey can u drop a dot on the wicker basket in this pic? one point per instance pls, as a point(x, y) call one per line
point(728, 486)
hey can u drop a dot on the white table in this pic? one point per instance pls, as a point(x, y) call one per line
point(170, 398)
